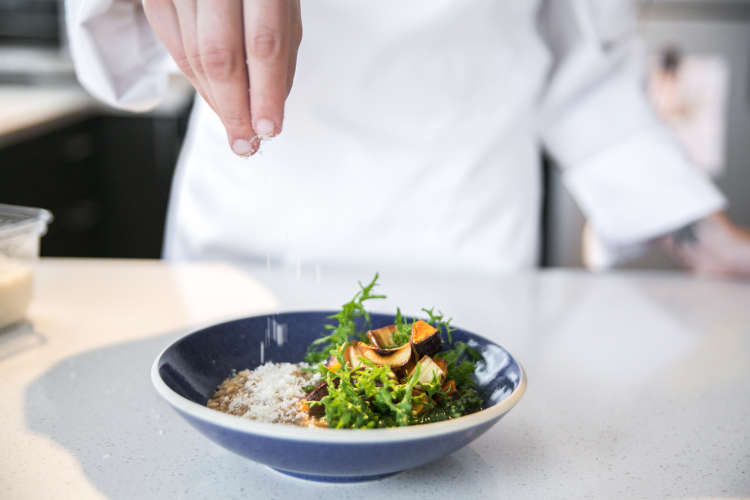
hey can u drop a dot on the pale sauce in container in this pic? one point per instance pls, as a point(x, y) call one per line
point(15, 289)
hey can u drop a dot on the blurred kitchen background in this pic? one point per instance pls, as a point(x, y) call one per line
point(106, 175)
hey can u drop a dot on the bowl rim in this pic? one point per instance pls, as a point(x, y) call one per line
point(339, 436)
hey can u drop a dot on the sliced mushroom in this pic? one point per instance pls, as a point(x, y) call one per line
point(425, 338)
point(449, 387)
point(382, 337)
point(404, 371)
point(386, 357)
point(428, 370)
point(352, 355)
point(320, 391)
point(442, 364)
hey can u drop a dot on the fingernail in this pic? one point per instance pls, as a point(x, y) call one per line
point(265, 128)
point(242, 147)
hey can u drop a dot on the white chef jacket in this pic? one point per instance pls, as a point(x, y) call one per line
point(412, 135)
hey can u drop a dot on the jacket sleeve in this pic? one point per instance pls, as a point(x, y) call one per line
point(117, 56)
point(622, 165)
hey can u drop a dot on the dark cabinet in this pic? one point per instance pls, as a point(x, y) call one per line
point(106, 179)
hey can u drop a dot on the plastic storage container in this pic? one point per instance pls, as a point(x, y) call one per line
point(21, 229)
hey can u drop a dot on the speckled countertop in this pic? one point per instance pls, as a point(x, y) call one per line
point(639, 384)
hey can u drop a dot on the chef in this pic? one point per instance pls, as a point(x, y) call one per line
point(412, 133)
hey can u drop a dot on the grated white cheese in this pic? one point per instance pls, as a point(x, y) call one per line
point(272, 393)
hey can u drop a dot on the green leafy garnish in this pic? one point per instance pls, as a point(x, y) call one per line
point(403, 331)
point(368, 397)
point(346, 328)
point(467, 402)
point(460, 369)
point(372, 396)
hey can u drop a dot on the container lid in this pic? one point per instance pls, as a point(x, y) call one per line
point(14, 219)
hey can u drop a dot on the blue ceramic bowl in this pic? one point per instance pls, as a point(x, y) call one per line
point(188, 372)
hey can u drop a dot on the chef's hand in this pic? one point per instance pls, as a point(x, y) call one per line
point(712, 245)
point(240, 55)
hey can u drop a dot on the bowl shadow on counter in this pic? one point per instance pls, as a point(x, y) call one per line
point(100, 406)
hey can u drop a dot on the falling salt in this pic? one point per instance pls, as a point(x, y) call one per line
point(280, 334)
point(275, 331)
point(106, 456)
